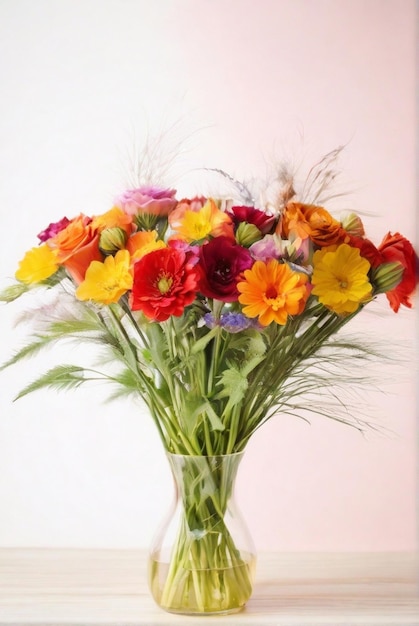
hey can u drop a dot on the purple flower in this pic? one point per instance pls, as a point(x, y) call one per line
point(231, 322)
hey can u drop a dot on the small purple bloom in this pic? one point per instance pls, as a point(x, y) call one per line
point(231, 322)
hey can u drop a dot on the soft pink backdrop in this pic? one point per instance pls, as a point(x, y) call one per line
point(243, 82)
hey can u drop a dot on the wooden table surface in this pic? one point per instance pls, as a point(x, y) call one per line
point(93, 587)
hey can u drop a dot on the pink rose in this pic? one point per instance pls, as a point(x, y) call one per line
point(147, 199)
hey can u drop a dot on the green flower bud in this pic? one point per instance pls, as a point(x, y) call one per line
point(246, 234)
point(112, 239)
point(353, 225)
point(386, 277)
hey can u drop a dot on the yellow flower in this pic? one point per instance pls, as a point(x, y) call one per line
point(38, 264)
point(272, 291)
point(106, 282)
point(340, 278)
point(196, 225)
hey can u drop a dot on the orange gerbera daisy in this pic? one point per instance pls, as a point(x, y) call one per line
point(271, 291)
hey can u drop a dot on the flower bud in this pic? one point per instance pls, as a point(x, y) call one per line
point(353, 225)
point(112, 239)
point(386, 277)
point(246, 234)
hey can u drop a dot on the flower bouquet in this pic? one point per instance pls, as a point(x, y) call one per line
point(218, 313)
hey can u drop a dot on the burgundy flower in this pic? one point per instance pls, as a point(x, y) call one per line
point(221, 262)
point(165, 282)
point(250, 215)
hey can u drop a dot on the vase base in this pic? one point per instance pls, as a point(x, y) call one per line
point(204, 613)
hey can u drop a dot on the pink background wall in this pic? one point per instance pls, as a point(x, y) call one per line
point(242, 81)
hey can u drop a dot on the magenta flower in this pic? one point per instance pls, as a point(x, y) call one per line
point(221, 263)
point(53, 229)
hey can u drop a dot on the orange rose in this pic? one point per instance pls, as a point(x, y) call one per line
point(77, 245)
point(307, 220)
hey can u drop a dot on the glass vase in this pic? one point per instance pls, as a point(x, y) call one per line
point(202, 560)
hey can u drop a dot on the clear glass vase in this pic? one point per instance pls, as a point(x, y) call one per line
point(202, 560)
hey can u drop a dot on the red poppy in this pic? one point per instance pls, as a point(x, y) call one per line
point(165, 282)
point(222, 262)
point(396, 248)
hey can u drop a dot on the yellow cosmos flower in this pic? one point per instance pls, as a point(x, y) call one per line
point(340, 278)
point(37, 265)
point(197, 225)
point(106, 282)
point(272, 291)
point(143, 242)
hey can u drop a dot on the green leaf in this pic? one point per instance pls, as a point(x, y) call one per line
point(201, 344)
point(61, 378)
point(195, 407)
point(234, 385)
point(31, 349)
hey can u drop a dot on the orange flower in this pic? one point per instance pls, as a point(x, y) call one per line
point(272, 291)
point(143, 242)
point(77, 245)
point(114, 218)
point(307, 220)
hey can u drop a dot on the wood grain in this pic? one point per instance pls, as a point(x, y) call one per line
point(93, 587)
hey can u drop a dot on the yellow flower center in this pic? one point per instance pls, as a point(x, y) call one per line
point(164, 283)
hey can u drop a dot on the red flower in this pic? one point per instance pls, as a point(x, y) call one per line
point(222, 262)
point(250, 215)
point(366, 249)
point(396, 248)
point(165, 282)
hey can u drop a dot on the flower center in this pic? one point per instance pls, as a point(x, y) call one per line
point(164, 283)
point(271, 293)
point(223, 271)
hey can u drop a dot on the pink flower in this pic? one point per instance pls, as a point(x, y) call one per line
point(270, 247)
point(147, 199)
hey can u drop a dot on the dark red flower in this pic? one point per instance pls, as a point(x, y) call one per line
point(221, 262)
point(396, 248)
point(165, 282)
point(250, 215)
